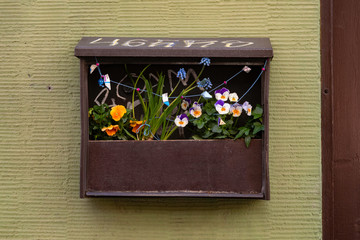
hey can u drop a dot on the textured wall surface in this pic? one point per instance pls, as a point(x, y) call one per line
point(40, 124)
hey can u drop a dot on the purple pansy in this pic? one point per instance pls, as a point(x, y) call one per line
point(220, 122)
point(196, 111)
point(185, 103)
point(221, 107)
point(236, 109)
point(222, 94)
point(181, 120)
point(247, 107)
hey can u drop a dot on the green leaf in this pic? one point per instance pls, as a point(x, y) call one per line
point(216, 129)
point(207, 134)
point(229, 122)
point(225, 132)
point(258, 128)
point(200, 125)
point(231, 131)
point(221, 136)
point(210, 111)
point(256, 116)
point(247, 141)
point(102, 109)
point(258, 110)
point(206, 117)
point(241, 132)
point(129, 134)
point(196, 137)
point(247, 131)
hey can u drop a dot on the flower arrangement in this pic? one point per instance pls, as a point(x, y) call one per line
point(217, 115)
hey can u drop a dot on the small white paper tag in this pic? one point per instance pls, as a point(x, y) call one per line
point(107, 81)
point(92, 68)
point(165, 99)
point(246, 69)
point(206, 95)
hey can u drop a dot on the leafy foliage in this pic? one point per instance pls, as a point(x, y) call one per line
point(207, 127)
point(99, 118)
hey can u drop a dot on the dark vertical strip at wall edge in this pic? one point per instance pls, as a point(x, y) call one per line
point(84, 127)
point(326, 42)
point(265, 82)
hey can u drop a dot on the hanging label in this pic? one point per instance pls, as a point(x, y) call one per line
point(165, 99)
point(107, 81)
point(206, 95)
point(92, 68)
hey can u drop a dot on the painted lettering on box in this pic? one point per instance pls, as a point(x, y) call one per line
point(170, 43)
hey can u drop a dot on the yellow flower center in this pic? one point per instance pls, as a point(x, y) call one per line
point(223, 97)
point(181, 123)
point(236, 112)
point(197, 113)
point(223, 109)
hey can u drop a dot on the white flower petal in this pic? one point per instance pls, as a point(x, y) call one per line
point(223, 109)
point(177, 120)
point(233, 97)
point(218, 96)
point(184, 105)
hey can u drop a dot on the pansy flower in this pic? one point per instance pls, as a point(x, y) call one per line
point(136, 125)
point(181, 74)
point(181, 120)
point(221, 107)
point(111, 130)
point(222, 94)
point(196, 111)
point(236, 109)
point(247, 107)
point(233, 97)
point(117, 112)
point(185, 103)
point(221, 122)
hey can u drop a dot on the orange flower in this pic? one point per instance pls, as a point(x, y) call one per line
point(111, 130)
point(136, 125)
point(117, 112)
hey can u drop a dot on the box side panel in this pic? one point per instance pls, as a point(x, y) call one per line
point(177, 166)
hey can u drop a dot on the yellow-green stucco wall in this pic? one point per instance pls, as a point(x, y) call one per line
point(40, 121)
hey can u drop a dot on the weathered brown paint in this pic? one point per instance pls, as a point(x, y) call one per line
point(260, 48)
point(340, 119)
point(211, 167)
point(117, 168)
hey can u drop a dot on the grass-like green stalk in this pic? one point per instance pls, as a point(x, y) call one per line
point(153, 115)
point(133, 95)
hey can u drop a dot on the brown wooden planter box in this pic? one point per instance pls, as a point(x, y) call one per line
point(221, 168)
point(193, 168)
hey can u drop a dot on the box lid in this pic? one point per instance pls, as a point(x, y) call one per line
point(174, 47)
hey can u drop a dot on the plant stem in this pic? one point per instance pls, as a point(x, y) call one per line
point(170, 133)
point(133, 95)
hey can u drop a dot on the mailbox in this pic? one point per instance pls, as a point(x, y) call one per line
point(181, 165)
